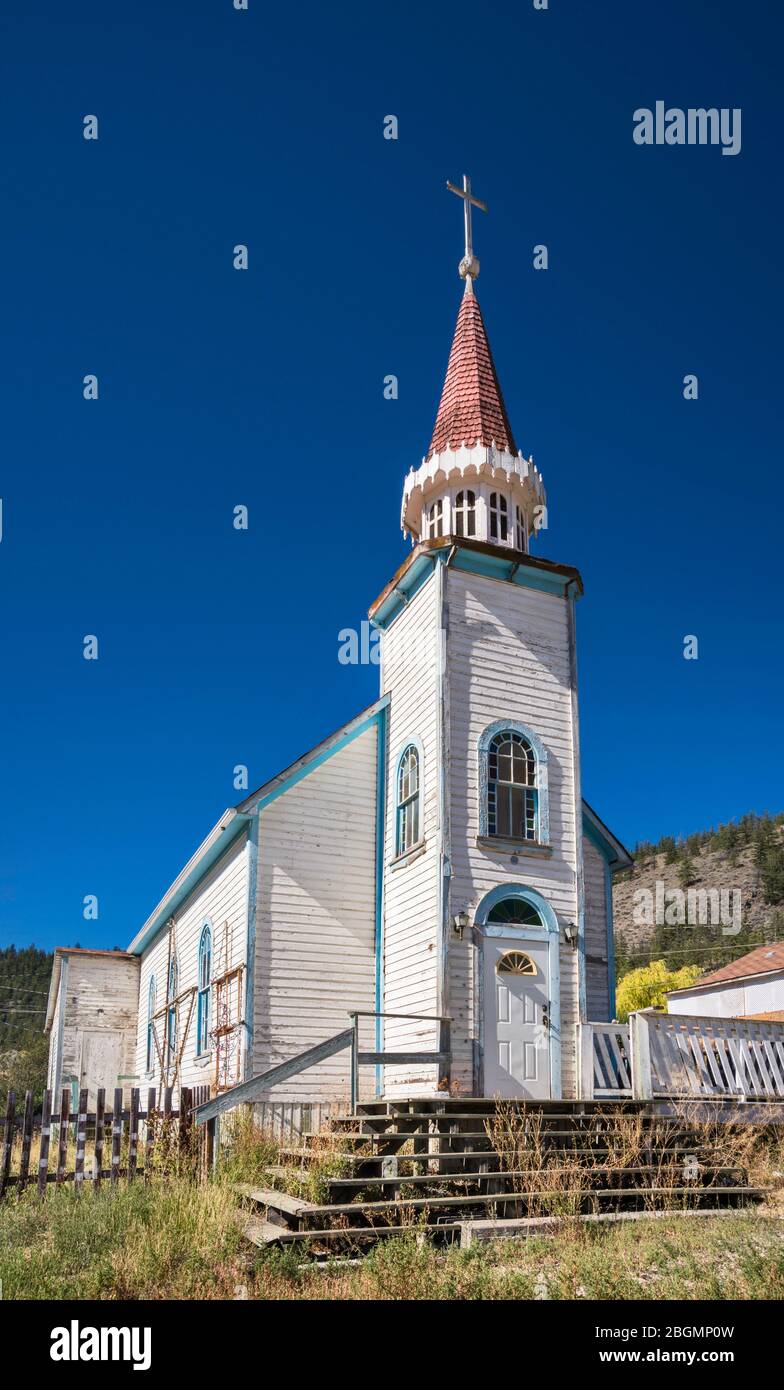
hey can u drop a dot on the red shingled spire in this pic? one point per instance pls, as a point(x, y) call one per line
point(472, 408)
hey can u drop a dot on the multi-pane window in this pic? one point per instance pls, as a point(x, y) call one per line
point(171, 1013)
point(435, 520)
point(203, 1006)
point(150, 1017)
point(408, 800)
point(499, 523)
point(511, 787)
point(519, 530)
point(465, 514)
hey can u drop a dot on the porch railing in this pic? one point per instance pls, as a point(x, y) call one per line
point(605, 1065)
point(682, 1055)
point(251, 1091)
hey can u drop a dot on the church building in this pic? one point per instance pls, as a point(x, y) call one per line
point(433, 861)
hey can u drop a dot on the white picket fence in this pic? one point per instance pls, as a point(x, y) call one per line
point(674, 1056)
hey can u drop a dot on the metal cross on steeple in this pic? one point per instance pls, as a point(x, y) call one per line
point(469, 266)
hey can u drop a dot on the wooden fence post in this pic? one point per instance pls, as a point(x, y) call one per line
point(81, 1139)
point(43, 1151)
point(100, 1123)
point(133, 1133)
point(585, 1053)
point(27, 1140)
point(640, 1047)
point(8, 1141)
point(149, 1136)
point(116, 1133)
point(62, 1137)
point(354, 1062)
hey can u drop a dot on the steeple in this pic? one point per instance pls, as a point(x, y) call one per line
point(473, 481)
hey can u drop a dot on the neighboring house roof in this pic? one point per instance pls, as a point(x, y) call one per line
point(235, 818)
point(57, 966)
point(763, 960)
point(472, 409)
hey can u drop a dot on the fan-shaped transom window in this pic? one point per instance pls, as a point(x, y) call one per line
point(515, 963)
point(498, 517)
point(408, 816)
point(511, 787)
point(515, 912)
point(465, 514)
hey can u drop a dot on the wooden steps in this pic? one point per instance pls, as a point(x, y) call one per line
point(456, 1176)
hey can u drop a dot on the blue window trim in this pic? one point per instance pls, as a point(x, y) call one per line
point(151, 995)
point(203, 990)
point(514, 726)
point(416, 744)
point(549, 932)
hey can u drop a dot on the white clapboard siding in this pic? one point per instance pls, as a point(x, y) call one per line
point(409, 674)
point(221, 899)
point(316, 920)
point(508, 657)
point(596, 944)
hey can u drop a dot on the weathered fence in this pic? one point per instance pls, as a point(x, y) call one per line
point(288, 1121)
point(680, 1055)
point(130, 1139)
point(605, 1061)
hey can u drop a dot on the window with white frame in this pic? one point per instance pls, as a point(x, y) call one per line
point(408, 800)
point(465, 514)
point(519, 529)
point(435, 519)
point(512, 793)
point(203, 1003)
point(499, 517)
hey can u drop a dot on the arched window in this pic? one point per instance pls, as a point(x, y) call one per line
point(511, 787)
point(519, 530)
point(465, 514)
point(435, 520)
point(515, 912)
point(499, 528)
point(203, 1006)
point(150, 1016)
point(408, 784)
point(171, 1013)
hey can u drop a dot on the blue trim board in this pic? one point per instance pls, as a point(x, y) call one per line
point(381, 782)
point(310, 761)
point(254, 833)
point(552, 934)
point(610, 940)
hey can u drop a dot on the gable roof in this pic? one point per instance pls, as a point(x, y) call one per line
point(236, 818)
point(616, 854)
point(472, 409)
point(763, 960)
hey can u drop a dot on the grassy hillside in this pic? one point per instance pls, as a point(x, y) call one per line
point(745, 855)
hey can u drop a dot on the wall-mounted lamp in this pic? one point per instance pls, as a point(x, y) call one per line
point(570, 934)
point(459, 923)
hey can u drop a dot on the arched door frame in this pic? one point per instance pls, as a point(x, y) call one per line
point(549, 932)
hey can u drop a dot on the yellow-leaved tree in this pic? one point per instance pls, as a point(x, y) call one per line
point(646, 987)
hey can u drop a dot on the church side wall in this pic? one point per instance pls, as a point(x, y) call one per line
point(596, 942)
point(409, 673)
point(508, 657)
point(316, 920)
point(222, 900)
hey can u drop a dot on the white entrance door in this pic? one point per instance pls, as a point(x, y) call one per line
point(517, 1018)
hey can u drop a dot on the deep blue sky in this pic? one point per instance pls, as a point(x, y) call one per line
point(265, 388)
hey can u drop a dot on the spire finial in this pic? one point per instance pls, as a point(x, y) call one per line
point(468, 268)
